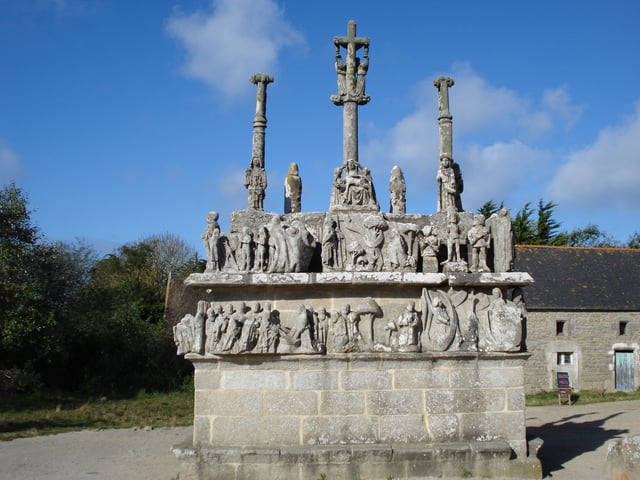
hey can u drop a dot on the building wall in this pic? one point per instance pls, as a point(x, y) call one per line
point(587, 343)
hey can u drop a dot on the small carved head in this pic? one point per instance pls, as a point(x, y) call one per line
point(293, 169)
point(212, 217)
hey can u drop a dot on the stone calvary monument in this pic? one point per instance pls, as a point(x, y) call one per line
point(355, 343)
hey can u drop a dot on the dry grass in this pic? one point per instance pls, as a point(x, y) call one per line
point(45, 413)
point(582, 397)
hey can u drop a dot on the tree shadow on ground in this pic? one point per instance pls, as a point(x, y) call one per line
point(566, 439)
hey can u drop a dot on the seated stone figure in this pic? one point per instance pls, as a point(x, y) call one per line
point(353, 187)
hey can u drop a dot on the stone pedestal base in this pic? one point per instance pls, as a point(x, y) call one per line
point(366, 462)
point(363, 416)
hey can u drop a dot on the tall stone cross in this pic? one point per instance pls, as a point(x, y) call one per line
point(351, 85)
point(445, 119)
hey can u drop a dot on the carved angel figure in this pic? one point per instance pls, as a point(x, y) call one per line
point(441, 323)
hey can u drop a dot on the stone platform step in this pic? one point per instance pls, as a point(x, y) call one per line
point(365, 462)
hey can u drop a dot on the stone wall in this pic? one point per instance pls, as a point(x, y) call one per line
point(359, 399)
point(591, 339)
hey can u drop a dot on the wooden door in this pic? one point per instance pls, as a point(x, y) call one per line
point(624, 371)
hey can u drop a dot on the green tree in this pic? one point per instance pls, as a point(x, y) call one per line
point(523, 230)
point(546, 226)
point(25, 320)
point(39, 282)
point(124, 342)
point(543, 230)
point(489, 208)
point(634, 240)
point(589, 236)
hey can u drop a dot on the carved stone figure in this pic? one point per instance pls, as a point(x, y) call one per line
point(450, 185)
point(429, 246)
point(366, 251)
point(183, 334)
point(299, 338)
point(338, 333)
point(188, 334)
point(232, 330)
point(226, 248)
point(404, 335)
point(268, 330)
point(478, 236)
point(352, 71)
point(198, 327)
point(210, 239)
point(244, 255)
point(409, 232)
point(213, 327)
point(502, 242)
point(291, 246)
point(321, 321)
point(293, 190)
point(454, 261)
point(398, 191)
point(332, 245)
point(353, 187)
point(249, 333)
point(505, 323)
point(397, 252)
point(255, 180)
point(261, 241)
point(441, 324)
point(344, 331)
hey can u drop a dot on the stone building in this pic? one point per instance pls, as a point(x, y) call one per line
point(583, 317)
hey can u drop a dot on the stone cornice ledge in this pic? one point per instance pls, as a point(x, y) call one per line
point(227, 279)
point(258, 358)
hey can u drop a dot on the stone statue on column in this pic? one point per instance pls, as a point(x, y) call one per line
point(255, 177)
point(449, 177)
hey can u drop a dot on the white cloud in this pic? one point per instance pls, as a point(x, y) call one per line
point(10, 165)
point(496, 172)
point(230, 188)
point(558, 101)
point(497, 136)
point(236, 39)
point(606, 174)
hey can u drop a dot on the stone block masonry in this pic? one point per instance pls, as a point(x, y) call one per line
point(361, 415)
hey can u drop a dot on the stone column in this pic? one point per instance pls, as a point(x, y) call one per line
point(350, 132)
point(261, 80)
point(444, 116)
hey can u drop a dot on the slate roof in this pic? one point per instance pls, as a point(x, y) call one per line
point(575, 278)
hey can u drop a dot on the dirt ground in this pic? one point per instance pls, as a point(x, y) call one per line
point(575, 444)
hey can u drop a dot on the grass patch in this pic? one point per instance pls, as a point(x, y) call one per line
point(46, 413)
point(582, 397)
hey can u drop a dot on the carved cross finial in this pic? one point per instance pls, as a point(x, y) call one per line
point(352, 70)
point(443, 84)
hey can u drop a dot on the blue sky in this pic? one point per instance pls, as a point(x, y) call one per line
point(125, 119)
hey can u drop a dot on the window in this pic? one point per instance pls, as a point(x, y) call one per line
point(564, 358)
point(560, 327)
point(622, 328)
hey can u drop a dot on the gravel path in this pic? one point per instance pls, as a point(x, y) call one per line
point(575, 442)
